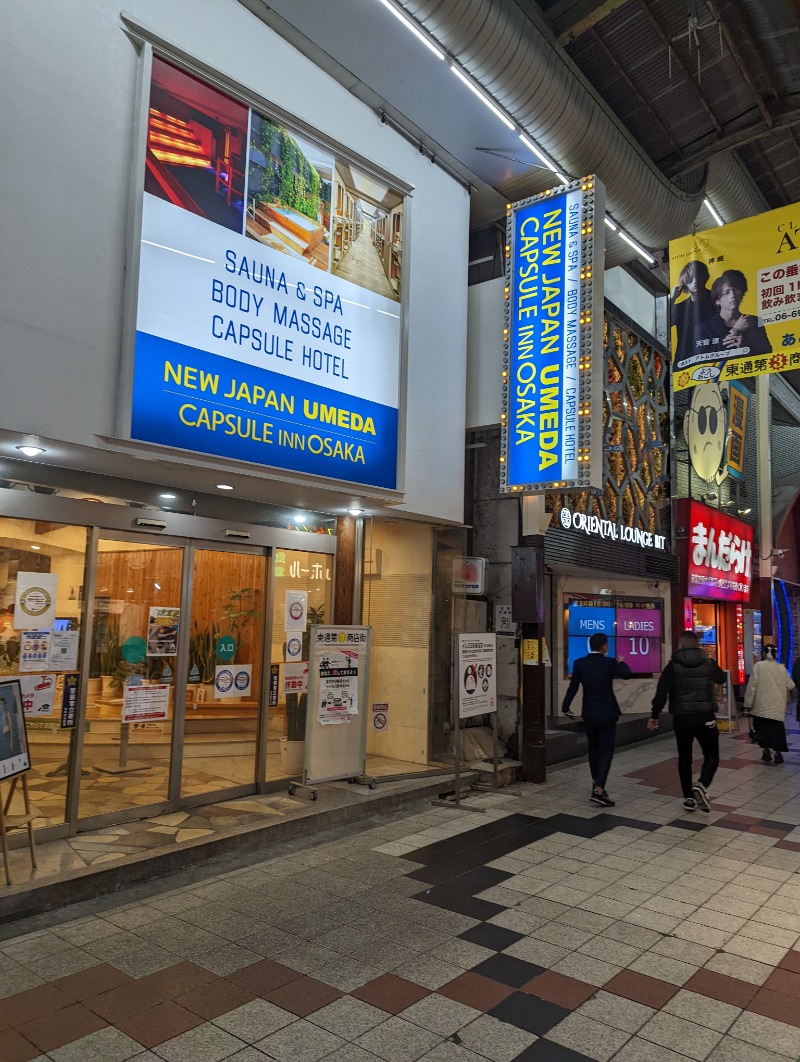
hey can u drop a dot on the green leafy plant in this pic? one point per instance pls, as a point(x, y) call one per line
point(237, 614)
point(203, 651)
point(110, 654)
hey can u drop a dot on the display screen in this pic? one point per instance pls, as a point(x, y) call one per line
point(633, 628)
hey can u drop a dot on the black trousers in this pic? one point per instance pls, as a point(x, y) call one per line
point(703, 729)
point(600, 737)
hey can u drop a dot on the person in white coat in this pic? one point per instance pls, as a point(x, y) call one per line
point(765, 699)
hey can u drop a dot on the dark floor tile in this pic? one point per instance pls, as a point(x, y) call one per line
point(684, 824)
point(304, 996)
point(431, 873)
point(153, 1027)
point(174, 981)
point(772, 824)
point(641, 989)
point(508, 970)
point(473, 990)
point(489, 936)
point(91, 982)
point(124, 1001)
point(784, 981)
point(777, 1006)
point(214, 998)
point(557, 988)
point(62, 1027)
point(529, 1013)
point(474, 881)
point(390, 993)
point(720, 986)
point(768, 831)
point(481, 910)
point(790, 961)
point(547, 1051)
point(263, 977)
point(16, 1048)
point(35, 1002)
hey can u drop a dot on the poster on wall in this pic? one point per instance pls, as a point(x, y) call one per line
point(14, 755)
point(162, 631)
point(268, 319)
point(233, 680)
point(552, 326)
point(69, 701)
point(477, 673)
point(64, 650)
point(145, 703)
point(736, 300)
point(295, 677)
point(34, 650)
point(35, 601)
point(295, 615)
point(38, 694)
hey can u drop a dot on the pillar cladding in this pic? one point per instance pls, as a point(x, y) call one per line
point(344, 569)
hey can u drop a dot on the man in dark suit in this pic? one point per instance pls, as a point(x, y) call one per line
point(596, 673)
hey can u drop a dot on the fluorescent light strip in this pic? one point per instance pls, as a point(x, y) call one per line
point(175, 250)
point(610, 223)
point(562, 178)
point(410, 25)
point(714, 214)
point(529, 144)
point(485, 100)
point(639, 250)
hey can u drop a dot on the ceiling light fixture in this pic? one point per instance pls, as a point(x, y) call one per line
point(562, 178)
point(36, 547)
point(529, 144)
point(610, 223)
point(31, 451)
point(410, 25)
point(482, 96)
point(168, 497)
point(714, 213)
point(639, 250)
point(224, 486)
point(299, 519)
point(355, 511)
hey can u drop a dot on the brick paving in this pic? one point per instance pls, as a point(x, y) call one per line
point(543, 929)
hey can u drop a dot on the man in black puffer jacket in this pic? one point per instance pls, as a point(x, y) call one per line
point(688, 680)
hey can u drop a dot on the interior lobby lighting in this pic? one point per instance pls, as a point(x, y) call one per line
point(31, 451)
point(610, 223)
point(410, 25)
point(299, 518)
point(714, 214)
point(224, 486)
point(168, 497)
point(36, 547)
point(639, 250)
point(482, 96)
point(355, 511)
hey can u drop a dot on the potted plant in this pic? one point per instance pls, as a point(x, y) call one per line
point(293, 746)
point(110, 657)
point(203, 653)
point(94, 686)
point(237, 614)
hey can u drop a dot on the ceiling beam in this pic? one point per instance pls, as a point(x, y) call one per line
point(740, 63)
point(762, 158)
point(571, 18)
point(748, 135)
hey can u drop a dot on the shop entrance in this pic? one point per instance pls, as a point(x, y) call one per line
point(173, 705)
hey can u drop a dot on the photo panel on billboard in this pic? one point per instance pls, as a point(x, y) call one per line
point(268, 325)
point(14, 755)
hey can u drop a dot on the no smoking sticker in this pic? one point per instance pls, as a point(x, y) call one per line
point(380, 716)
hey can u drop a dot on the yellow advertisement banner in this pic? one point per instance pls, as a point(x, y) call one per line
point(736, 300)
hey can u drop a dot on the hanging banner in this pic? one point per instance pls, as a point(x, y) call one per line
point(296, 610)
point(720, 555)
point(477, 671)
point(738, 397)
point(736, 299)
point(337, 662)
point(35, 601)
point(552, 384)
point(162, 631)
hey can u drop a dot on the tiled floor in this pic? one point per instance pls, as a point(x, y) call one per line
point(544, 929)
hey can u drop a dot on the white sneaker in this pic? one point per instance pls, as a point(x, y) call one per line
point(701, 796)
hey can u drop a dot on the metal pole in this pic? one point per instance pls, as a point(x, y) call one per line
point(457, 723)
point(764, 482)
point(495, 778)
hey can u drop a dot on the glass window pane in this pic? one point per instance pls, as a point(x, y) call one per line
point(226, 638)
point(37, 547)
point(126, 752)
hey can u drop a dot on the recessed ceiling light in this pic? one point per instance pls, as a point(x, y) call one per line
point(36, 547)
point(168, 497)
point(299, 518)
point(224, 486)
point(31, 451)
point(355, 512)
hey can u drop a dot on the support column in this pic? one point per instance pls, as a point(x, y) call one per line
point(764, 481)
point(344, 570)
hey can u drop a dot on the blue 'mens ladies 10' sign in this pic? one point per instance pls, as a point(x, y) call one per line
point(553, 363)
point(270, 277)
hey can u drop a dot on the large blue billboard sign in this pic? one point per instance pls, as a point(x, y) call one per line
point(552, 384)
point(268, 315)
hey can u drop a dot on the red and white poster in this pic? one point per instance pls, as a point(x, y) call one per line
point(142, 704)
point(720, 558)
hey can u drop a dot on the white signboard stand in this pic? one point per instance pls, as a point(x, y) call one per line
point(475, 680)
point(336, 719)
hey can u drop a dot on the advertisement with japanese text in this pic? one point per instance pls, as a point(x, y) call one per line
point(270, 276)
point(736, 299)
point(720, 555)
point(336, 659)
point(554, 298)
point(477, 669)
point(634, 629)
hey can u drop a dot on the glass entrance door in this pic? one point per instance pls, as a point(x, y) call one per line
point(130, 691)
point(223, 694)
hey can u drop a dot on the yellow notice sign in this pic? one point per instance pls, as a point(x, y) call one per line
point(530, 650)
